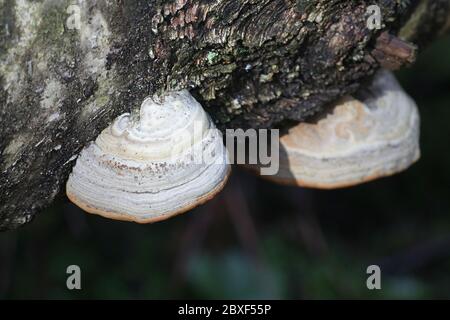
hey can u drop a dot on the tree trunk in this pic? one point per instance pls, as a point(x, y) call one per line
point(68, 68)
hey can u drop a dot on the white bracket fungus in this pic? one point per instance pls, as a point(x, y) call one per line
point(149, 168)
point(358, 141)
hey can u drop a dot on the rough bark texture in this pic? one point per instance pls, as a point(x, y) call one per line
point(251, 63)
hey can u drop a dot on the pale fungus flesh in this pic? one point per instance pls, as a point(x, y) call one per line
point(150, 167)
point(358, 140)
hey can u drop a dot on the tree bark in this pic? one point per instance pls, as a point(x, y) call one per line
point(251, 63)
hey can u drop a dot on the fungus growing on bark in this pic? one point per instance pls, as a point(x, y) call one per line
point(359, 140)
point(147, 168)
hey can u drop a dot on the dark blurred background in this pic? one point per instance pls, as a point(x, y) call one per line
point(260, 240)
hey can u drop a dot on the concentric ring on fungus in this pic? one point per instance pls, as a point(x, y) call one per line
point(359, 140)
point(149, 168)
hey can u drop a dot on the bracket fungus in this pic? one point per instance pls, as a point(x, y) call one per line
point(150, 167)
point(359, 140)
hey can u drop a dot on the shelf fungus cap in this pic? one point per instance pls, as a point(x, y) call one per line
point(359, 140)
point(149, 167)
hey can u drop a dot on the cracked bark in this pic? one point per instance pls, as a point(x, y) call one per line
point(250, 63)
